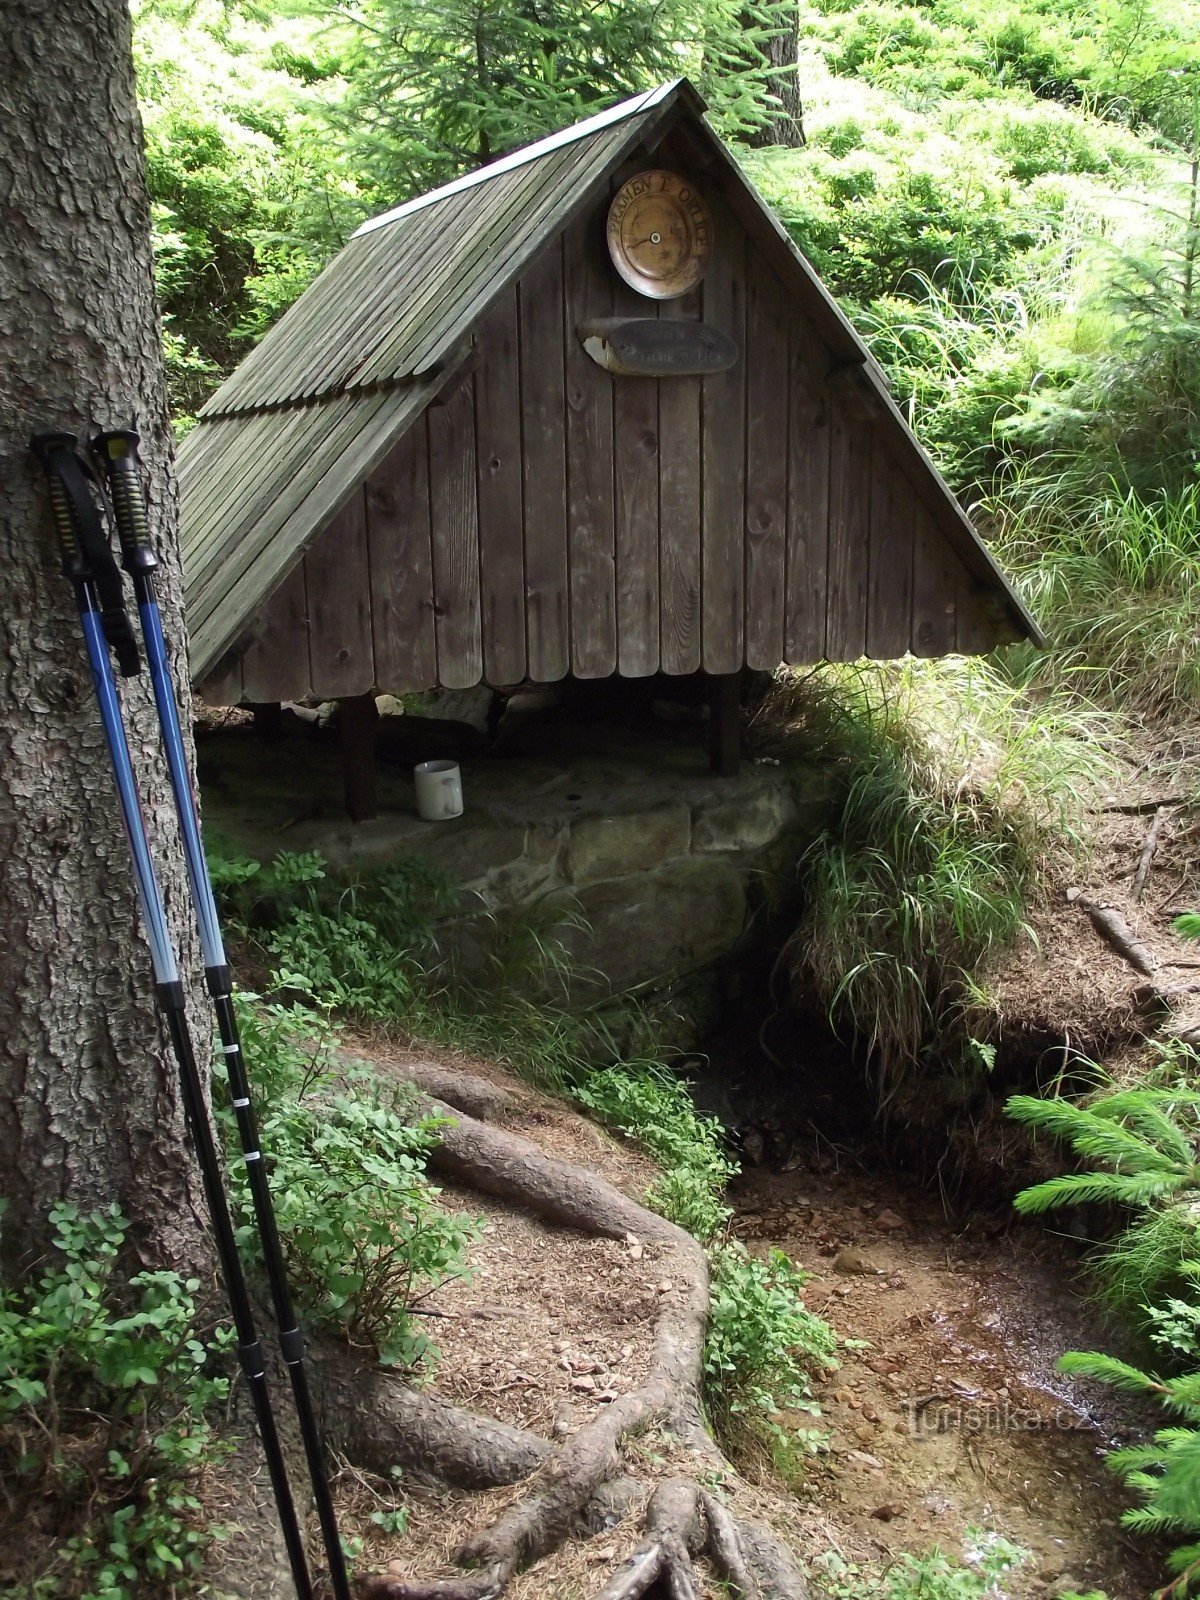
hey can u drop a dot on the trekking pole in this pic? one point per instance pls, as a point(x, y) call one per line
point(117, 454)
point(88, 563)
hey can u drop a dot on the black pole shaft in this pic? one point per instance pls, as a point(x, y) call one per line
point(72, 509)
point(117, 452)
point(291, 1339)
point(171, 1002)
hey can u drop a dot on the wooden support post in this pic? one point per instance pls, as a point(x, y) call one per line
point(724, 722)
point(357, 717)
point(268, 718)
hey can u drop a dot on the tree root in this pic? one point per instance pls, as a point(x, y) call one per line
point(576, 1482)
point(465, 1091)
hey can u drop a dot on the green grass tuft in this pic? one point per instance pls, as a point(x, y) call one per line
point(959, 789)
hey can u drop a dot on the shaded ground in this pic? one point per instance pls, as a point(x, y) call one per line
point(953, 1414)
point(1069, 990)
point(951, 1417)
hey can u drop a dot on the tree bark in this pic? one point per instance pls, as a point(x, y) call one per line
point(89, 1109)
point(782, 50)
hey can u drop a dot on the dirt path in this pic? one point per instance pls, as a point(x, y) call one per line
point(953, 1415)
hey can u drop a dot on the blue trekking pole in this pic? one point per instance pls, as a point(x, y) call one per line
point(117, 453)
point(88, 563)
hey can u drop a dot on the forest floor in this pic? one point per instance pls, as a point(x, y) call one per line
point(1141, 861)
point(949, 1416)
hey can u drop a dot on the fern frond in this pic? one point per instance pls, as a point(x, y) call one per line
point(1094, 1364)
point(1184, 1392)
point(1093, 1135)
point(1182, 1586)
point(1080, 1188)
point(1177, 1495)
point(1144, 1109)
point(1144, 1521)
point(1187, 1555)
point(1134, 1458)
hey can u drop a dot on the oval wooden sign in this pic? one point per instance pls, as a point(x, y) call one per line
point(644, 347)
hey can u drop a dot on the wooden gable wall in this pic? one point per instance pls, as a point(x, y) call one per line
point(544, 517)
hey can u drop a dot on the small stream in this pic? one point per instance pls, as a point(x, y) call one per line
point(953, 1415)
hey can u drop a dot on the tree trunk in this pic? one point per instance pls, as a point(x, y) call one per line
point(782, 52)
point(89, 1110)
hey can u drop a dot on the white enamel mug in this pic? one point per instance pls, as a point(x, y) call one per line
point(439, 790)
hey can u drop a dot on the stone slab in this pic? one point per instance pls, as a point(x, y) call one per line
point(606, 847)
point(745, 823)
point(653, 926)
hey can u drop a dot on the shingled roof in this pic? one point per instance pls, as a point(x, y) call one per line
point(335, 383)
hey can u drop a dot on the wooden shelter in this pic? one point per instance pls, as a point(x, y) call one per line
point(473, 452)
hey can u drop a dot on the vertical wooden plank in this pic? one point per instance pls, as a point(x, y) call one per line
point(275, 667)
point(679, 511)
point(723, 412)
point(498, 464)
point(934, 604)
point(849, 548)
point(808, 495)
point(268, 719)
point(589, 416)
point(635, 471)
point(337, 580)
point(725, 723)
point(543, 427)
point(976, 624)
point(398, 537)
point(766, 464)
point(358, 718)
point(454, 520)
point(889, 598)
point(222, 688)
point(635, 478)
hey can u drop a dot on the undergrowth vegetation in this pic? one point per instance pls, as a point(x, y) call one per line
point(763, 1346)
point(981, 1573)
point(1141, 1152)
point(364, 1236)
point(1117, 578)
point(106, 1393)
point(959, 792)
point(379, 946)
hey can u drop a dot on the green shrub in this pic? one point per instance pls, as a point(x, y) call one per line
point(364, 946)
point(762, 1344)
point(761, 1350)
point(1142, 1149)
point(104, 1390)
point(364, 1237)
point(1165, 1473)
point(369, 947)
point(648, 1103)
point(987, 1561)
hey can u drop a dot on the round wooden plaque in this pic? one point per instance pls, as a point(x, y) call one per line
point(660, 234)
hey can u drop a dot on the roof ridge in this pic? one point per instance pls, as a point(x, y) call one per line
point(530, 152)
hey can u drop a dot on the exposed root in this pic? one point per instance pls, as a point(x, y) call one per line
point(725, 1549)
point(674, 1530)
point(465, 1091)
point(576, 1483)
point(374, 1419)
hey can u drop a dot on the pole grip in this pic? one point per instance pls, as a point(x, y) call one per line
point(49, 448)
point(117, 452)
